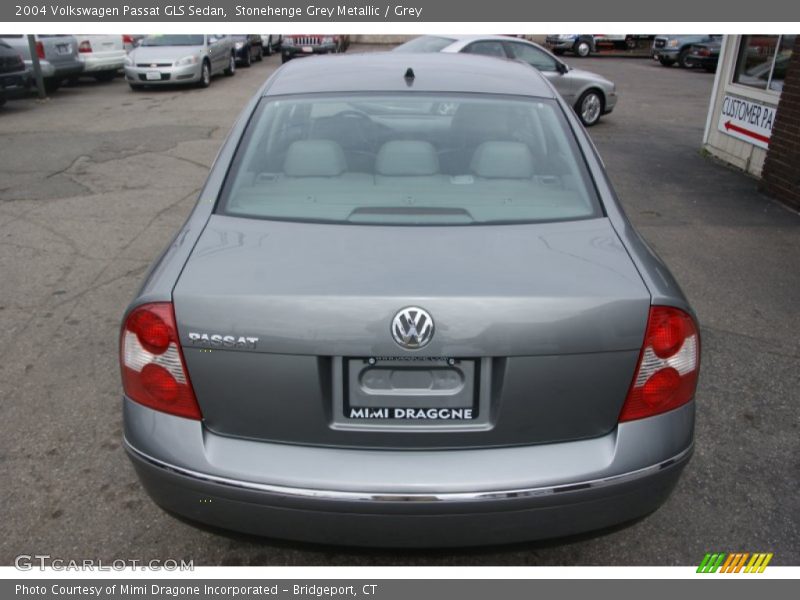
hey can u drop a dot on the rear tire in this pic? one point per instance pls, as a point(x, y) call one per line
point(259, 53)
point(248, 58)
point(51, 85)
point(268, 50)
point(105, 76)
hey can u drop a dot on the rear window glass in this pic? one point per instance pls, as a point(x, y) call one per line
point(409, 159)
point(425, 43)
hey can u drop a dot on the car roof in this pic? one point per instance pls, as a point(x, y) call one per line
point(385, 71)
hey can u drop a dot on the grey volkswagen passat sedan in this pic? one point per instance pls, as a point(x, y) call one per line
point(179, 59)
point(590, 94)
point(388, 324)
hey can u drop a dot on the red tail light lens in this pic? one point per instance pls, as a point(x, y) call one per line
point(85, 46)
point(153, 370)
point(127, 39)
point(666, 376)
point(40, 50)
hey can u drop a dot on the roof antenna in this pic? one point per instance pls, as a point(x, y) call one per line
point(409, 76)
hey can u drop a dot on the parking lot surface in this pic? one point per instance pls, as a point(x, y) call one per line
point(95, 181)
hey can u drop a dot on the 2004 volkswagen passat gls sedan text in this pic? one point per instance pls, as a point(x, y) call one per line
point(408, 310)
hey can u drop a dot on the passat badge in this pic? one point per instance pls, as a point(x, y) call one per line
point(412, 328)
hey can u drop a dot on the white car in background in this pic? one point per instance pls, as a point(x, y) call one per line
point(103, 56)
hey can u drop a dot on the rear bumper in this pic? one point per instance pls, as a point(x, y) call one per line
point(412, 497)
point(101, 63)
point(15, 85)
point(298, 51)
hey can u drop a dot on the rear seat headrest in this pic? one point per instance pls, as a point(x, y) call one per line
point(407, 158)
point(502, 160)
point(314, 158)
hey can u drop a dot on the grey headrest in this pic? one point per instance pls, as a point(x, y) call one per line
point(314, 158)
point(407, 157)
point(503, 160)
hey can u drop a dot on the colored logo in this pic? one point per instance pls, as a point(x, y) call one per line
point(737, 562)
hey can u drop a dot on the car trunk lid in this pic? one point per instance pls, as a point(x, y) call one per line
point(288, 326)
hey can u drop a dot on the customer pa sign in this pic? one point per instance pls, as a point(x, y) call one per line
point(747, 120)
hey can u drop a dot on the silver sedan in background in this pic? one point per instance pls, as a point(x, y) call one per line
point(185, 59)
point(590, 94)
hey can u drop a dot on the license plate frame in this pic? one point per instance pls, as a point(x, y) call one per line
point(153, 76)
point(467, 407)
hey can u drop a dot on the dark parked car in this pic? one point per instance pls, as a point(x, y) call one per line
point(14, 76)
point(671, 49)
point(248, 48)
point(271, 42)
point(305, 44)
point(705, 55)
point(58, 56)
point(389, 324)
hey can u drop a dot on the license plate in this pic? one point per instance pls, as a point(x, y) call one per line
point(62, 48)
point(411, 391)
point(307, 49)
point(153, 76)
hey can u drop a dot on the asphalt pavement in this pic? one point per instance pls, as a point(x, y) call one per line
point(95, 181)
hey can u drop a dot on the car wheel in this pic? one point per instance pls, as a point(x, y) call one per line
point(590, 107)
point(667, 62)
point(582, 48)
point(558, 51)
point(51, 85)
point(285, 58)
point(268, 49)
point(2, 101)
point(710, 68)
point(259, 53)
point(205, 75)
point(683, 59)
point(248, 58)
point(231, 70)
point(105, 76)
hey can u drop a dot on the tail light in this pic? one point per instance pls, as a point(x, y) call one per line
point(85, 46)
point(153, 370)
point(669, 363)
point(127, 39)
point(40, 50)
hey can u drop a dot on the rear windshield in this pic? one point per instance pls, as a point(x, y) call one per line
point(409, 159)
point(425, 43)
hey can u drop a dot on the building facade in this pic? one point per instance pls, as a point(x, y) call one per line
point(754, 114)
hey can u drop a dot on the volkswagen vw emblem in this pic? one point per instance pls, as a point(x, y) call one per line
point(412, 328)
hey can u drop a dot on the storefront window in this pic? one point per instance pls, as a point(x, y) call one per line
point(762, 61)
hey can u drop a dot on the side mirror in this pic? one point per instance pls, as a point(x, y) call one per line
point(562, 67)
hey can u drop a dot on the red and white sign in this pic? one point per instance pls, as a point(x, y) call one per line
point(747, 120)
